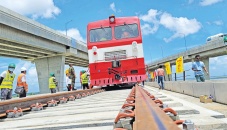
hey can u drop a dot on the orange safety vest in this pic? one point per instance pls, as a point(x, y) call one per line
point(19, 81)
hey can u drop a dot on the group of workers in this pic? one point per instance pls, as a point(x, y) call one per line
point(6, 82)
point(71, 77)
point(7, 78)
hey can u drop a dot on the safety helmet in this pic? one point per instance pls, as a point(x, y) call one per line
point(83, 71)
point(23, 69)
point(51, 74)
point(12, 65)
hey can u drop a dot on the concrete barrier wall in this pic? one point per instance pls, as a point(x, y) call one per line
point(217, 89)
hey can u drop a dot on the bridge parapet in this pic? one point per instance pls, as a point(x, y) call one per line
point(217, 89)
point(216, 48)
point(17, 21)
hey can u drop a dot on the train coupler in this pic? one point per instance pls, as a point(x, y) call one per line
point(16, 112)
point(36, 107)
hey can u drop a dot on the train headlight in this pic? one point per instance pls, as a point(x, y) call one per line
point(134, 45)
point(94, 49)
point(112, 19)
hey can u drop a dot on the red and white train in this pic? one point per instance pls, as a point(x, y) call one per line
point(115, 52)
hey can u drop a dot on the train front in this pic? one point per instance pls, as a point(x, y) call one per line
point(115, 52)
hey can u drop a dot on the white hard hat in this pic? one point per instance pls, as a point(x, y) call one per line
point(23, 69)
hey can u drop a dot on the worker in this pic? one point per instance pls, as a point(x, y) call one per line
point(52, 83)
point(81, 80)
point(72, 75)
point(6, 82)
point(68, 80)
point(21, 82)
point(84, 78)
point(125, 34)
point(103, 36)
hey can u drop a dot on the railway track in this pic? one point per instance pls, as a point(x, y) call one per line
point(100, 111)
point(15, 107)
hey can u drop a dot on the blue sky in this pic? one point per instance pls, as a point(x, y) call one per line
point(165, 24)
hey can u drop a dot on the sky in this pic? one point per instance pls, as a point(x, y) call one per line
point(168, 27)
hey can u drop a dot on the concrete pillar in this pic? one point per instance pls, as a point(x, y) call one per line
point(206, 63)
point(46, 65)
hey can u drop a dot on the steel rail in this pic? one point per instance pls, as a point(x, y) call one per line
point(148, 115)
point(25, 103)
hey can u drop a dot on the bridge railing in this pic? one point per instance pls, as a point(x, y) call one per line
point(204, 47)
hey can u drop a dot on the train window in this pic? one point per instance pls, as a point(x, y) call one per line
point(101, 34)
point(126, 31)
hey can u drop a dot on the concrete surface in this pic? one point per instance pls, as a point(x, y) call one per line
point(208, 116)
point(217, 89)
point(93, 112)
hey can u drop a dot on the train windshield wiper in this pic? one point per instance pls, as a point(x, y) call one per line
point(103, 29)
point(129, 28)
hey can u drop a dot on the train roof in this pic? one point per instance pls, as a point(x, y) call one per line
point(118, 21)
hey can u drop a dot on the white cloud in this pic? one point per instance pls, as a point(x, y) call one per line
point(33, 8)
point(112, 7)
point(218, 22)
point(180, 26)
point(74, 33)
point(147, 29)
point(209, 2)
point(151, 18)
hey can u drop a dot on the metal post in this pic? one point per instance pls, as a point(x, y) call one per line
point(66, 26)
point(184, 75)
point(185, 42)
point(175, 76)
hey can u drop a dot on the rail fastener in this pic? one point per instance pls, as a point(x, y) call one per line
point(16, 112)
point(63, 100)
point(36, 107)
point(71, 98)
point(52, 103)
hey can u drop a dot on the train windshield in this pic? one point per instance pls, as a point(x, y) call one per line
point(126, 31)
point(101, 34)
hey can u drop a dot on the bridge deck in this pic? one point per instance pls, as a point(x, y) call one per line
point(99, 111)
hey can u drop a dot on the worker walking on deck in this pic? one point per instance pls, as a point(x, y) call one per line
point(21, 82)
point(72, 75)
point(52, 83)
point(6, 82)
point(84, 78)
